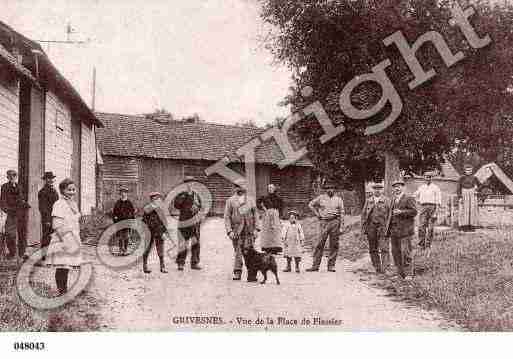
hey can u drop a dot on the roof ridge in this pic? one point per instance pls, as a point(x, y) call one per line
point(184, 122)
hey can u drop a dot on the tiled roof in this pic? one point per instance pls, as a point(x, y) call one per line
point(138, 136)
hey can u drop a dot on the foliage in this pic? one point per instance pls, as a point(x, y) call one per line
point(327, 43)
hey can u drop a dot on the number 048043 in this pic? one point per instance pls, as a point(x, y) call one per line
point(29, 346)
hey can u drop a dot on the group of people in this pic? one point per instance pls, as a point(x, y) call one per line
point(60, 222)
point(246, 221)
point(390, 222)
point(386, 222)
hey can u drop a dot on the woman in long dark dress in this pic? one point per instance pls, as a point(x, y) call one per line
point(272, 207)
point(468, 202)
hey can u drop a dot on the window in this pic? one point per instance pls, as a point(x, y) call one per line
point(59, 120)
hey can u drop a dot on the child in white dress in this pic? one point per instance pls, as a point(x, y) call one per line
point(293, 238)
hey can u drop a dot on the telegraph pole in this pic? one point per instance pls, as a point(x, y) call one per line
point(93, 101)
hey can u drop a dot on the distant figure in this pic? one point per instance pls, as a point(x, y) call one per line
point(401, 228)
point(272, 206)
point(188, 203)
point(293, 239)
point(374, 220)
point(66, 225)
point(47, 197)
point(429, 197)
point(13, 204)
point(468, 203)
point(155, 218)
point(123, 210)
point(330, 211)
point(240, 219)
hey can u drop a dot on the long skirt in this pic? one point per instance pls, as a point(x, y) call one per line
point(468, 211)
point(270, 235)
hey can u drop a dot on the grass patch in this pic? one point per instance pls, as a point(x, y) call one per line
point(469, 278)
point(16, 316)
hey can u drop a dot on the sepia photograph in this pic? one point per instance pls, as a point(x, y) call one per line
point(255, 166)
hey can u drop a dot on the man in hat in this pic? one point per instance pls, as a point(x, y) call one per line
point(373, 220)
point(188, 203)
point(155, 218)
point(429, 197)
point(329, 208)
point(123, 210)
point(47, 196)
point(240, 218)
point(400, 226)
point(12, 203)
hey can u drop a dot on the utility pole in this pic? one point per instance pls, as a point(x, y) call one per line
point(93, 101)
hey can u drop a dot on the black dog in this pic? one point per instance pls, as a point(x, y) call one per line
point(257, 261)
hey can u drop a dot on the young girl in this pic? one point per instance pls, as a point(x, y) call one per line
point(293, 238)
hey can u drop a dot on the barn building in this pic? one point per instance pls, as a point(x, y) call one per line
point(44, 125)
point(146, 154)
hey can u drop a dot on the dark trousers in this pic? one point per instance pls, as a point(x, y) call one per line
point(186, 235)
point(61, 279)
point(123, 238)
point(46, 236)
point(15, 233)
point(378, 247)
point(329, 229)
point(401, 252)
point(158, 242)
point(427, 220)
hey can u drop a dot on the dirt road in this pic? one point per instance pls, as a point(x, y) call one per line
point(131, 300)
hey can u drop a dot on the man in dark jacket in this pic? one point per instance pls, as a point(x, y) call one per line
point(188, 203)
point(155, 218)
point(47, 196)
point(12, 203)
point(401, 228)
point(123, 210)
point(373, 220)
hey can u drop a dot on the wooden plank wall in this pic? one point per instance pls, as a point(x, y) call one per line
point(58, 142)
point(88, 172)
point(9, 121)
point(163, 175)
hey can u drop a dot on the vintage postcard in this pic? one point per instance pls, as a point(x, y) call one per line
point(256, 165)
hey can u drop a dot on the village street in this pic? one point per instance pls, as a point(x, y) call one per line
point(130, 300)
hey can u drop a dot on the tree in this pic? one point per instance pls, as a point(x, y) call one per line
point(327, 43)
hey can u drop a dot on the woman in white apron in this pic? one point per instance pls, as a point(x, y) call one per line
point(270, 235)
point(66, 236)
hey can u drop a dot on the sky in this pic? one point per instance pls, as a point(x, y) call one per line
point(194, 56)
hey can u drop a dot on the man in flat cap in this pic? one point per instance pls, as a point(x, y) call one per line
point(188, 203)
point(241, 219)
point(123, 210)
point(156, 220)
point(12, 203)
point(373, 220)
point(429, 197)
point(47, 196)
point(401, 228)
point(329, 208)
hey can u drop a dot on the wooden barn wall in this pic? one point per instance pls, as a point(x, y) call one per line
point(58, 140)
point(117, 172)
point(144, 175)
point(9, 121)
point(294, 186)
point(88, 168)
